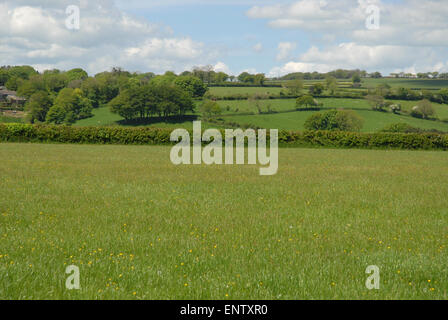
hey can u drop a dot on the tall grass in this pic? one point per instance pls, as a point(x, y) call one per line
point(139, 227)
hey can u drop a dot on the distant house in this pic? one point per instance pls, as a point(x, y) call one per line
point(9, 98)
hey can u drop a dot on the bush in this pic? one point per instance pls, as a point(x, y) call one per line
point(306, 101)
point(377, 102)
point(342, 120)
point(395, 108)
point(423, 110)
point(210, 108)
point(401, 128)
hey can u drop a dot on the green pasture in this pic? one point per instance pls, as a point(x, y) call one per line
point(139, 227)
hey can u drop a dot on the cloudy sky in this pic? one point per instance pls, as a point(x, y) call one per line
point(272, 37)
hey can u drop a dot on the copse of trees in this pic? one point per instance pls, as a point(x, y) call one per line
point(293, 87)
point(63, 97)
point(316, 89)
point(193, 85)
point(377, 102)
point(423, 110)
point(153, 99)
point(306, 102)
point(210, 108)
point(207, 74)
point(331, 84)
point(338, 74)
point(386, 91)
point(255, 79)
point(69, 106)
point(12, 76)
point(38, 105)
point(356, 79)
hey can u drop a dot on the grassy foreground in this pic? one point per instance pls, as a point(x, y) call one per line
point(139, 227)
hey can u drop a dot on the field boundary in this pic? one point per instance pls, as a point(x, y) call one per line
point(16, 132)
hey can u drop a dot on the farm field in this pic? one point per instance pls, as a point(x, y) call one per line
point(227, 91)
point(345, 85)
point(140, 228)
point(328, 103)
point(407, 83)
point(373, 120)
point(295, 120)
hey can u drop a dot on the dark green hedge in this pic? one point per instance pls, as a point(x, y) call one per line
point(16, 132)
point(93, 135)
point(339, 139)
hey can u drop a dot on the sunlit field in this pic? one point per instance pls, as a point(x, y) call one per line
point(139, 227)
point(285, 115)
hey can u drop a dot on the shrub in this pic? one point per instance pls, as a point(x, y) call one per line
point(423, 109)
point(306, 101)
point(401, 128)
point(377, 102)
point(210, 108)
point(342, 120)
point(395, 108)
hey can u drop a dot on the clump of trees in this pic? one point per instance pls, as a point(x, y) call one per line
point(56, 96)
point(338, 74)
point(293, 87)
point(423, 110)
point(38, 105)
point(210, 108)
point(193, 85)
point(13, 76)
point(356, 79)
point(306, 102)
point(377, 102)
point(316, 89)
point(331, 84)
point(69, 106)
point(337, 120)
point(255, 79)
point(160, 99)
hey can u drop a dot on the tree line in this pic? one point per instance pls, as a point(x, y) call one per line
point(58, 97)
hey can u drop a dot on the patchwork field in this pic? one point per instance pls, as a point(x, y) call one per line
point(140, 228)
point(245, 112)
point(227, 91)
point(428, 84)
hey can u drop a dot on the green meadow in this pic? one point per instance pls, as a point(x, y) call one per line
point(139, 227)
point(226, 91)
point(286, 117)
point(427, 84)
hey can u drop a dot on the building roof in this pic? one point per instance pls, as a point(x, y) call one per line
point(8, 92)
point(16, 98)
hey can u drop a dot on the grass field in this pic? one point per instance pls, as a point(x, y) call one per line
point(373, 121)
point(429, 84)
point(140, 228)
point(346, 85)
point(227, 91)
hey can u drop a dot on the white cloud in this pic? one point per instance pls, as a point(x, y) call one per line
point(355, 56)
point(293, 66)
point(313, 14)
point(258, 47)
point(284, 50)
point(35, 34)
point(221, 67)
point(412, 34)
point(408, 22)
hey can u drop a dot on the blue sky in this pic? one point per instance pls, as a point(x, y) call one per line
point(272, 37)
point(226, 28)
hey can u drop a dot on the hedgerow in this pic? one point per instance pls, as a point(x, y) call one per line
point(17, 132)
